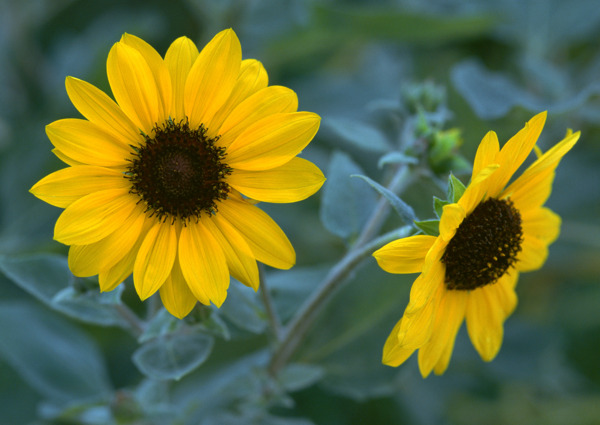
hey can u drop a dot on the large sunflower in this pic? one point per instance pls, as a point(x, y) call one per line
point(162, 183)
point(496, 230)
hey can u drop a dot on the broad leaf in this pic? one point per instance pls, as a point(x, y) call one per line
point(172, 356)
point(347, 203)
point(404, 210)
point(56, 358)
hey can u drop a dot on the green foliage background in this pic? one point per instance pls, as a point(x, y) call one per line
point(65, 357)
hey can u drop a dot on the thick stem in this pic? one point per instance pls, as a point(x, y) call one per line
point(308, 312)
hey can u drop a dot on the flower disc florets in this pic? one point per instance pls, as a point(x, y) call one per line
point(179, 172)
point(485, 245)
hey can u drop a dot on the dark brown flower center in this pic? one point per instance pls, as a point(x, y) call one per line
point(179, 172)
point(485, 245)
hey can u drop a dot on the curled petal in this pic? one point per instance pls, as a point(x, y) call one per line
point(404, 255)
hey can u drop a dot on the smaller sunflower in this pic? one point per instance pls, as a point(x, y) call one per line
point(162, 183)
point(495, 231)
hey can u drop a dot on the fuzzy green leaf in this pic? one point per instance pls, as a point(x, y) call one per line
point(404, 210)
point(172, 356)
point(347, 203)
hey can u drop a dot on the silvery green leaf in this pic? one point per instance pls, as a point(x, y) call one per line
point(91, 306)
point(172, 356)
point(41, 275)
point(349, 334)
point(297, 376)
point(56, 358)
point(396, 158)
point(243, 308)
point(163, 323)
point(47, 278)
point(287, 294)
point(346, 203)
point(404, 210)
point(358, 134)
point(490, 95)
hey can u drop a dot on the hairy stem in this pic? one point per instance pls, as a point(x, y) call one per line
point(308, 312)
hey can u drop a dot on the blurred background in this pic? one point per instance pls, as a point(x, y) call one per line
point(361, 65)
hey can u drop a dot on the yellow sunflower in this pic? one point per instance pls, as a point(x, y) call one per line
point(162, 183)
point(496, 230)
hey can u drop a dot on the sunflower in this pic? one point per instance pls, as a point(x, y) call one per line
point(494, 231)
point(163, 182)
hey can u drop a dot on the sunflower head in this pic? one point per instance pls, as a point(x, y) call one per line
point(163, 180)
point(489, 232)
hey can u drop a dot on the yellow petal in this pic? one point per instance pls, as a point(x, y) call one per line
point(478, 189)
point(133, 86)
point(485, 320)
point(155, 259)
point(273, 141)
point(239, 256)
point(212, 77)
point(63, 187)
point(251, 79)
point(87, 143)
point(179, 58)
point(94, 216)
point(394, 354)
point(110, 278)
point(503, 291)
point(265, 238)
point(290, 182)
point(417, 326)
point(532, 193)
point(448, 318)
point(176, 295)
point(64, 158)
point(268, 101)
point(535, 184)
point(429, 281)
point(203, 264)
point(486, 153)
point(452, 216)
point(113, 277)
point(515, 151)
point(162, 78)
point(533, 254)
point(100, 109)
point(541, 223)
point(444, 360)
point(88, 260)
point(404, 255)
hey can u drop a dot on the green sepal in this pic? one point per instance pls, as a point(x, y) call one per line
point(429, 227)
point(455, 189)
point(438, 206)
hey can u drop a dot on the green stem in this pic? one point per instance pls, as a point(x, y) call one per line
point(304, 318)
point(272, 317)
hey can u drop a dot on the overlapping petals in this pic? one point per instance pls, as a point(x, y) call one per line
point(112, 233)
point(435, 313)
